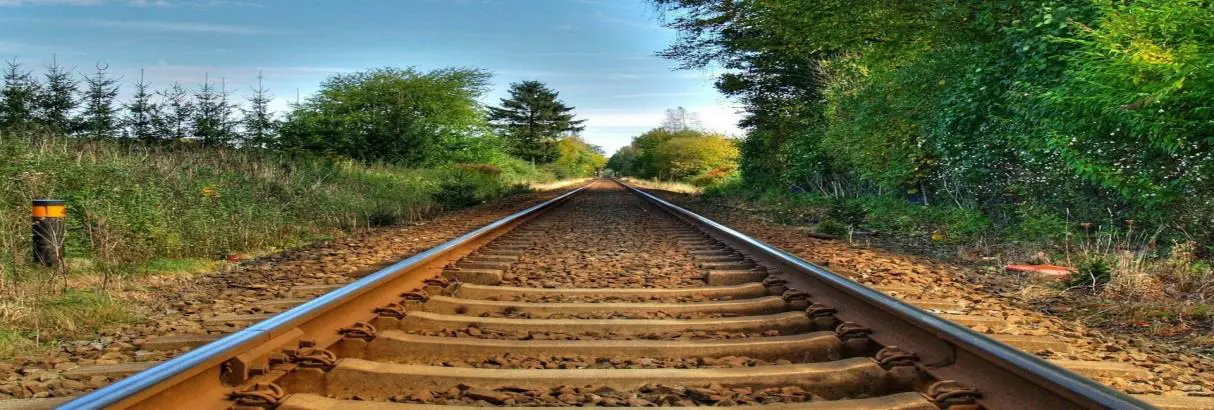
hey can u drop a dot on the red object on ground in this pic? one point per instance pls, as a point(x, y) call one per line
point(1047, 270)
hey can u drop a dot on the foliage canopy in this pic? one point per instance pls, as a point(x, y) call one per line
point(1094, 109)
point(395, 115)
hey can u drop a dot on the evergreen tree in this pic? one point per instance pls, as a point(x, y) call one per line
point(99, 120)
point(212, 122)
point(143, 115)
point(260, 127)
point(18, 99)
point(227, 122)
point(533, 120)
point(58, 98)
point(178, 113)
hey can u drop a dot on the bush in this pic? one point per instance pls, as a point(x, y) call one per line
point(849, 212)
point(832, 228)
point(715, 176)
point(461, 188)
point(1092, 271)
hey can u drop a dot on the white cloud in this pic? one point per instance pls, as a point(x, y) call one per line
point(50, 2)
point(152, 25)
point(133, 3)
point(659, 95)
point(174, 26)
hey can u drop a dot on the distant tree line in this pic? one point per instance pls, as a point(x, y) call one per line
point(678, 150)
point(391, 115)
point(1091, 111)
point(87, 106)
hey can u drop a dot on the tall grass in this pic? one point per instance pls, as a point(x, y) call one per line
point(131, 207)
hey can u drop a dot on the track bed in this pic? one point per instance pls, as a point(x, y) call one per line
point(607, 298)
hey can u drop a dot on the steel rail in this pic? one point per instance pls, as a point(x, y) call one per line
point(195, 361)
point(1071, 388)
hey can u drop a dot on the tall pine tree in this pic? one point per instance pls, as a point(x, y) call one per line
point(143, 116)
point(19, 97)
point(58, 98)
point(178, 111)
point(260, 127)
point(533, 120)
point(99, 120)
point(212, 123)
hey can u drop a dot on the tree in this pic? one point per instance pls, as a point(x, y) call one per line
point(681, 158)
point(660, 153)
point(212, 121)
point(260, 127)
point(58, 98)
point(576, 158)
point(534, 120)
point(99, 120)
point(679, 119)
point(178, 113)
point(623, 162)
point(19, 97)
point(143, 117)
point(396, 115)
point(645, 146)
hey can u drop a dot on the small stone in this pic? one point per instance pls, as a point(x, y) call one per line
point(487, 395)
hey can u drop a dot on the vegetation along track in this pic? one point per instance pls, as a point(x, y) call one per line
point(604, 297)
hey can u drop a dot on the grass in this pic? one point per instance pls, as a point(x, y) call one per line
point(548, 186)
point(35, 321)
point(669, 186)
point(137, 210)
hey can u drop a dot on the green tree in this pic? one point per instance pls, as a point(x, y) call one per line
point(623, 161)
point(178, 113)
point(395, 115)
point(212, 121)
point(646, 146)
point(575, 158)
point(260, 126)
point(533, 120)
point(99, 119)
point(143, 116)
point(681, 158)
point(58, 97)
point(18, 99)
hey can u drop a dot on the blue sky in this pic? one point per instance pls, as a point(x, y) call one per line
point(597, 53)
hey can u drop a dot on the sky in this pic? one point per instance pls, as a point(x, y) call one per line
point(599, 54)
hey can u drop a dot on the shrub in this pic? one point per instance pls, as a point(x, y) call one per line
point(714, 176)
point(1092, 271)
point(831, 227)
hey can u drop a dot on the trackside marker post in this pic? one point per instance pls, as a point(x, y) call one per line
point(49, 230)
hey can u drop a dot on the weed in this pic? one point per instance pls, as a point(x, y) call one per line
point(832, 228)
point(849, 212)
point(1091, 272)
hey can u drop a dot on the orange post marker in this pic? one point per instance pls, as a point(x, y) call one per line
point(49, 231)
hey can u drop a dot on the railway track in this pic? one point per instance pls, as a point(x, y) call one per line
point(605, 296)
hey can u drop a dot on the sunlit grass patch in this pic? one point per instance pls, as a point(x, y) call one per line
point(676, 187)
point(548, 186)
point(181, 266)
